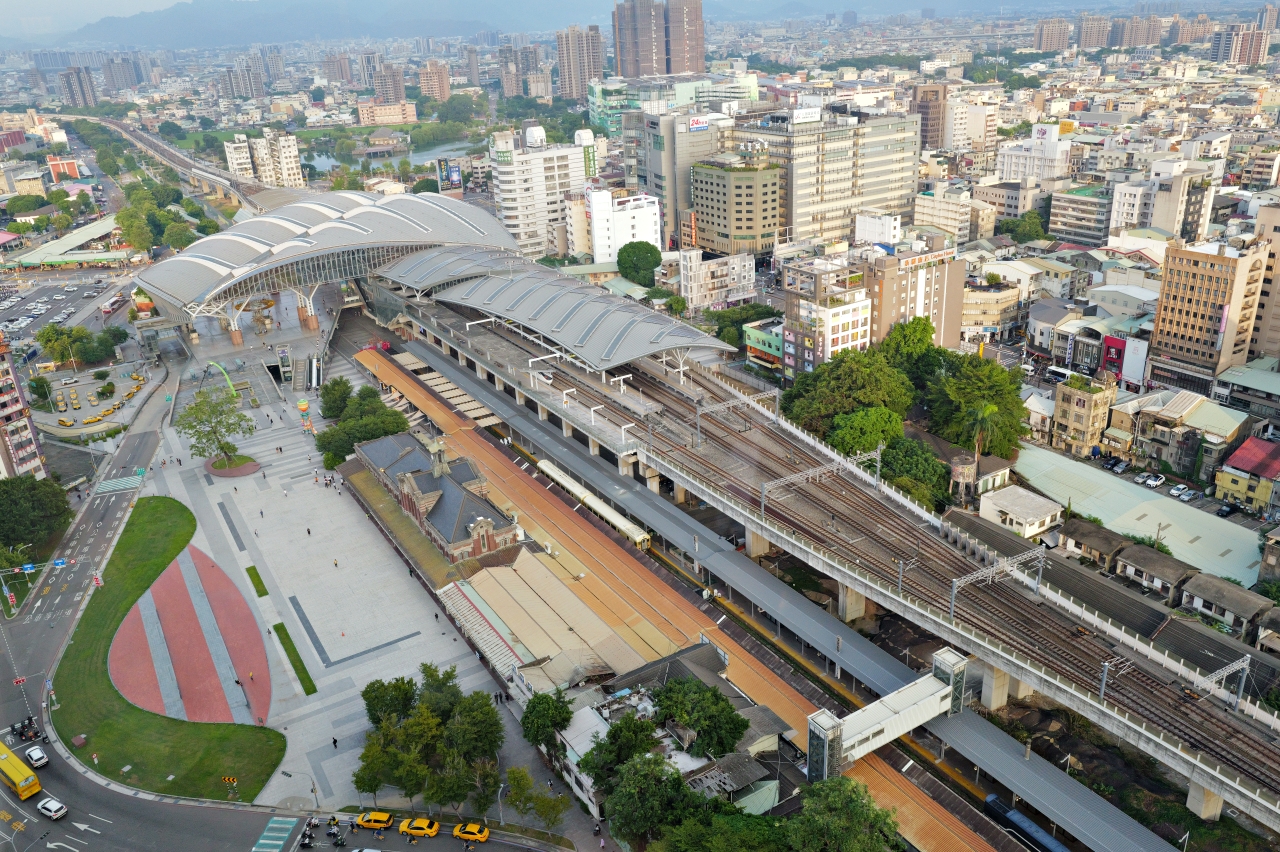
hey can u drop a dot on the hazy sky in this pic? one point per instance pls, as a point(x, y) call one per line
point(30, 19)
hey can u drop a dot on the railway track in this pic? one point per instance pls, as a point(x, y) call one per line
point(881, 537)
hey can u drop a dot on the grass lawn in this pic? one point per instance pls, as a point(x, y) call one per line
point(254, 577)
point(236, 461)
point(154, 747)
point(295, 659)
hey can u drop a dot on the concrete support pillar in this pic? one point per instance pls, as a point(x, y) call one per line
point(1204, 803)
point(995, 688)
point(306, 319)
point(566, 428)
point(1018, 689)
point(237, 337)
point(682, 495)
point(498, 382)
point(482, 373)
point(519, 397)
point(594, 446)
point(652, 479)
point(851, 604)
point(542, 412)
point(838, 671)
point(625, 465)
point(757, 545)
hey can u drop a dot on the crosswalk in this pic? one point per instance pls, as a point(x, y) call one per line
point(124, 483)
point(275, 835)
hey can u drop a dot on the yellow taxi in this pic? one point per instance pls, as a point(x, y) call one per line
point(137, 388)
point(420, 827)
point(135, 377)
point(87, 420)
point(62, 421)
point(62, 406)
point(471, 831)
point(375, 819)
point(93, 400)
point(75, 403)
point(129, 395)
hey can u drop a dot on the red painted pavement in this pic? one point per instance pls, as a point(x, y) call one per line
point(129, 662)
point(240, 632)
point(202, 694)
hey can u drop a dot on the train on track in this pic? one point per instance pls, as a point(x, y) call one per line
point(1018, 824)
point(637, 534)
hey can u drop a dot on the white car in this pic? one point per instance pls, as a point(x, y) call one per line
point(52, 808)
point(59, 298)
point(1140, 479)
point(1177, 490)
point(1155, 480)
point(36, 757)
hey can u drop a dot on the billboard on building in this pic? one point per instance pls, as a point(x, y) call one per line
point(697, 122)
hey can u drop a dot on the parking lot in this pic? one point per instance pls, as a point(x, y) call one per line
point(1187, 495)
point(69, 300)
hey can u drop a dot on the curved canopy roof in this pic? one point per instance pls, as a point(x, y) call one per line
point(602, 329)
point(320, 224)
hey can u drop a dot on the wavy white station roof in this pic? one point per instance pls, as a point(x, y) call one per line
point(319, 225)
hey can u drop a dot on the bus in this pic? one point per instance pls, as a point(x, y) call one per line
point(113, 304)
point(16, 775)
point(1058, 374)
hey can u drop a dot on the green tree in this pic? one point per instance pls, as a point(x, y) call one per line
point(637, 260)
point(405, 170)
point(979, 382)
point(207, 226)
point(731, 336)
point(864, 430)
point(41, 223)
point(520, 791)
point(211, 420)
point(546, 714)
point(993, 278)
point(391, 700)
point(31, 510)
point(170, 130)
point(839, 816)
point(179, 235)
point(58, 195)
point(108, 164)
point(551, 808)
point(19, 228)
point(979, 421)
point(677, 305)
point(317, 95)
point(334, 395)
point(848, 381)
point(20, 204)
point(205, 122)
point(705, 710)
point(907, 342)
point(649, 793)
point(40, 387)
point(724, 833)
point(458, 109)
point(364, 418)
point(59, 342)
point(374, 764)
point(488, 783)
point(910, 466)
point(439, 691)
point(475, 728)
point(1029, 227)
point(626, 738)
point(426, 185)
point(451, 783)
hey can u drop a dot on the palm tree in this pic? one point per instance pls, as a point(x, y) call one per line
point(980, 421)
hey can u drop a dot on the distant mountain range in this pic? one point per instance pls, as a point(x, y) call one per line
point(219, 23)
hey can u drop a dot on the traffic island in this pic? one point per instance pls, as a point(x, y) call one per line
point(239, 466)
point(163, 755)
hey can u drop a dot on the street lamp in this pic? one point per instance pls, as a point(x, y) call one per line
point(313, 785)
point(34, 842)
point(501, 787)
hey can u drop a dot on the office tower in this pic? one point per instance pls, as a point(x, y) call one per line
point(388, 84)
point(658, 38)
point(1092, 31)
point(1053, 34)
point(336, 68)
point(473, 65)
point(929, 101)
point(735, 202)
point(19, 447)
point(1205, 317)
point(580, 57)
point(367, 64)
point(886, 151)
point(531, 179)
point(119, 73)
point(1240, 44)
point(433, 79)
point(850, 19)
point(77, 87)
point(661, 149)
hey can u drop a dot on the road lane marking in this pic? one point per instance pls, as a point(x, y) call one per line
point(84, 827)
point(107, 821)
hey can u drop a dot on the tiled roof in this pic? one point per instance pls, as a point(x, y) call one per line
point(1258, 457)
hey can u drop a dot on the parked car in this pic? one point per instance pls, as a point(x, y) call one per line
point(1111, 462)
point(1177, 490)
point(1226, 510)
point(1155, 480)
point(1140, 479)
point(1188, 496)
point(1120, 468)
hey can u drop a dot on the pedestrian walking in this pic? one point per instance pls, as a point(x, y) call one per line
point(601, 842)
point(237, 490)
point(250, 675)
point(260, 515)
point(437, 618)
point(255, 533)
point(335, 563)
point(335, 742)
point(308, 530)
point(179, 462)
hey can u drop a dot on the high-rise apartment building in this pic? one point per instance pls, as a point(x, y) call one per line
point(1092, 31)
point(336, 68)
point(433, 80)
point(827, 311)
point(388, 84)
point(1043, 157)
point(509, 70)
point(1265, 340)
point(530, 180)
point(1052, 34)
point(580, 57)
point(609, 222)
point(19, 447)
point(929, 101)
point(909, 284)
point(1240, 44)
point(119, 73)
point(1267, 17)
point(77, 87)
point(1135, 31)
point(367, 64)
point(1183, 31)
point(1206, 314)
point(271, 159)
point(273, 62)
point(473, 65)
point(735, 202)
point(653, 37)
